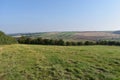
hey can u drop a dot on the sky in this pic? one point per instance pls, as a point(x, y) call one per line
point(20, 16)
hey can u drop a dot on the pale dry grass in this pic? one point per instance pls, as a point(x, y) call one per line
point(100, 34)
point(1, 48)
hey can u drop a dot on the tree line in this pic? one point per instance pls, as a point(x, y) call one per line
point(27, 40)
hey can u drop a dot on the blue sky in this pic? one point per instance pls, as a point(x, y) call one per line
point(59, 15)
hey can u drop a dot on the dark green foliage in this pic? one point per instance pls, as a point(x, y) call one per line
point(52, 42)
point(68, 43)
point(74, 43)
point(21, 39)
point(79, 43)
point(27, 40)
point(89, 43)
point(4, 39)
point(60, 42)
point(102, 42)
point(108, 43)
point(46, 41)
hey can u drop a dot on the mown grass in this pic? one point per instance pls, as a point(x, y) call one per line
point(38, 62)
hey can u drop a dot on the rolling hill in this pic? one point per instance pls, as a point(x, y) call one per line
point(116, 32)
point(74, 36)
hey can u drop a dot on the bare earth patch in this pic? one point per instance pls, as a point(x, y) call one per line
point(1, 49)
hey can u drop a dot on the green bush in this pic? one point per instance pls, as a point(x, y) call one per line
point(4, 39)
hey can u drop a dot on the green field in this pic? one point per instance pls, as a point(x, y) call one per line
point(38, 62)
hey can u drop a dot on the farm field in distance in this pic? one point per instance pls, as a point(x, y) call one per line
point(75, 35)
point(40, 62)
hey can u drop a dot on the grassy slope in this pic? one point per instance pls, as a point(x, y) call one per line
point(56, 35)
point(34, 62)
point(4, 39)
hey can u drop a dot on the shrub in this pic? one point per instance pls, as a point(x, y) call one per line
point(4, 39)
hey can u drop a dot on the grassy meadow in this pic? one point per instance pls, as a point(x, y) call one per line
point(39, 62)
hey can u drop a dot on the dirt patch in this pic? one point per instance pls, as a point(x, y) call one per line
point(1, 49)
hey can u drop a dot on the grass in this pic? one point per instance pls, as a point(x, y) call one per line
point(38, 62)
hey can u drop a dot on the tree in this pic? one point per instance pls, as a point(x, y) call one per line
point(79, 43)
point(89, 43)
point(39, 41)
point(21, 39)
point(46, 41)
point(28, 41)
point(52, 42)
point(68, 43)
point(73, 43)
point(60, 42)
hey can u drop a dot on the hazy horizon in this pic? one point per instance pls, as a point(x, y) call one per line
point(28, 16)
point(58, 31)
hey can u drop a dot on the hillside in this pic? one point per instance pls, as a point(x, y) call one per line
point(116, 32)
point(34, 62)
point(75, 36)
point(4, 39)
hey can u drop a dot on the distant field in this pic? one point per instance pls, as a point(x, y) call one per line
point(76, 36)
point(37, 62)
